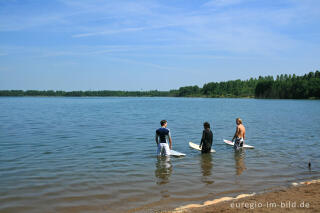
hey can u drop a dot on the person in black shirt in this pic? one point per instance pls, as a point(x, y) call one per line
point(206, 140)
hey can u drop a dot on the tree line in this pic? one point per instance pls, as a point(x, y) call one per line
point(290, 87)
point(101, 93)
point(284, 87)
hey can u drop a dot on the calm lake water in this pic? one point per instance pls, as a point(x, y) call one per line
point(98, 154)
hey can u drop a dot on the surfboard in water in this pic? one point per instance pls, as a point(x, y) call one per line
point(196, 146)
point(177, 154)
point(232, 143)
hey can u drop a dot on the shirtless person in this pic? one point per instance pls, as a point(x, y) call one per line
point(239, 135)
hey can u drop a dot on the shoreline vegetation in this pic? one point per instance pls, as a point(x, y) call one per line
point(283, 87)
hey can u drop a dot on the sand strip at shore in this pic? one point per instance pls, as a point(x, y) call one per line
point(301, 197)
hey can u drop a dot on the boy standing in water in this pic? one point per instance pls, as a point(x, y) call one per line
point(162, 137)
point(239, 135)
point(206, 140)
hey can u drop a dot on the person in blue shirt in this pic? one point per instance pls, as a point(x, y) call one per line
point(163, 136)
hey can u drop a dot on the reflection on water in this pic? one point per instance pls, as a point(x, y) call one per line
point(239, 155)
point(206, 167)
point(163, 170)
point(83, 154)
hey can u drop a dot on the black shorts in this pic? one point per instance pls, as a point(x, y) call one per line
point(238, 142)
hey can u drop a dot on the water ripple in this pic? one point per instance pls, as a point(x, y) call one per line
point(99, 154)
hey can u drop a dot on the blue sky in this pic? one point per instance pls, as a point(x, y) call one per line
point(147, 44)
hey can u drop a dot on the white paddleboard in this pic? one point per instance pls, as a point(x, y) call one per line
point(232, 143)
point(175, 153)
point(196, 146)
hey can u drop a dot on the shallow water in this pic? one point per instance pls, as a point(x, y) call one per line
point(98, 154)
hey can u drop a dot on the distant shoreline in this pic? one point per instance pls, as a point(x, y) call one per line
point(283, 87)
point(48, 96)
point(43, 96)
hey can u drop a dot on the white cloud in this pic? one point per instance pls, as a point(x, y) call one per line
point(108, 32)
point(252, 31)
point(222, 3)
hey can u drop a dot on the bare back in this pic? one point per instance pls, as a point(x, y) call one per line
point(240, 131)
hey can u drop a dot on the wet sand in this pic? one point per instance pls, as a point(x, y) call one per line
point(300, 197)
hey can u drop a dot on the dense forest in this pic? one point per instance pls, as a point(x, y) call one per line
point(284, 87)
point(290, 86)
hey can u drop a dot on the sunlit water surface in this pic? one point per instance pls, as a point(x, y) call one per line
point(98, 154)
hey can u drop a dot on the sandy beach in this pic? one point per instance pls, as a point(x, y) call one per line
point(300, 197)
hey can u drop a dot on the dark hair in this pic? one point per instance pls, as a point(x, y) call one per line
point(206, 125)
point(163, 122)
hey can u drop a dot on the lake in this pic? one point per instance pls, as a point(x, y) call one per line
point(99, 154)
